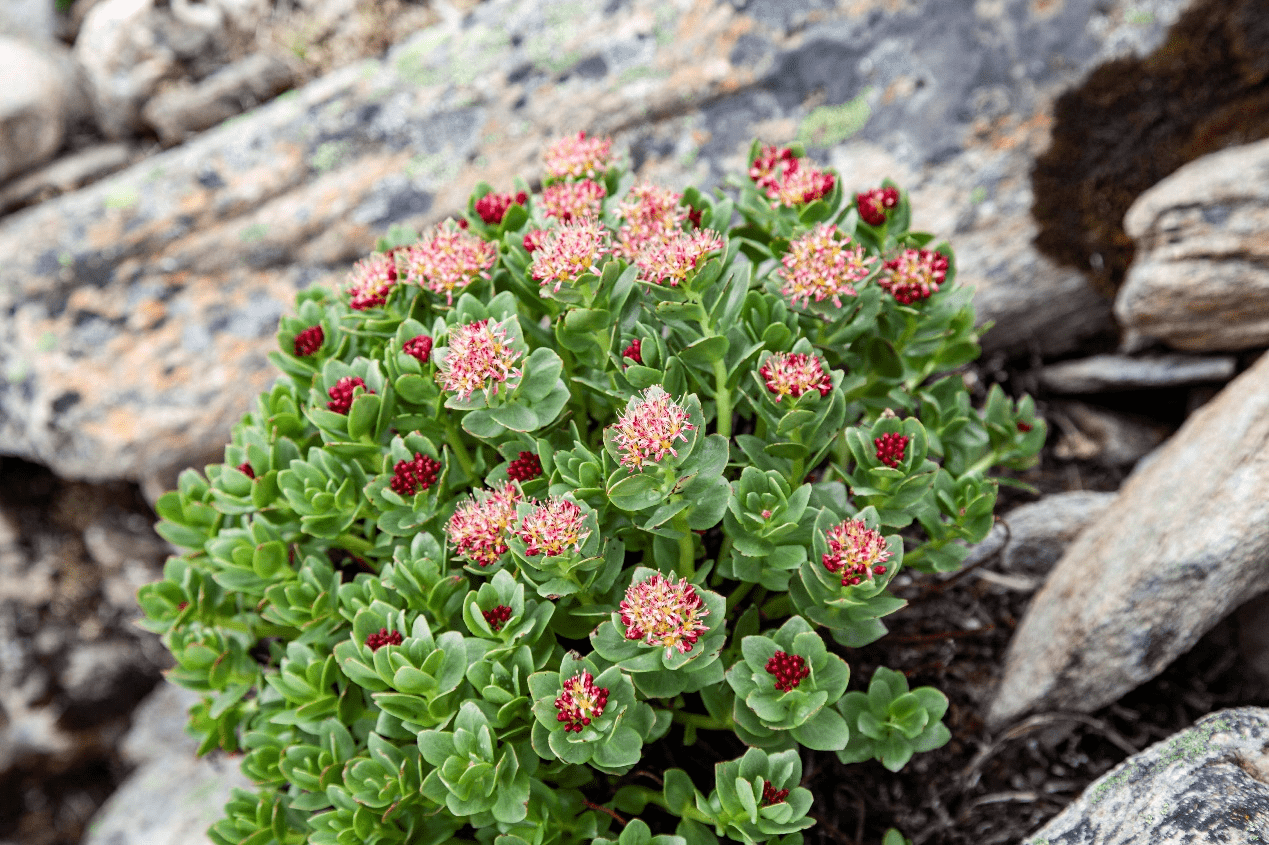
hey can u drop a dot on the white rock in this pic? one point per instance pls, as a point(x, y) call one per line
point(1183, 544)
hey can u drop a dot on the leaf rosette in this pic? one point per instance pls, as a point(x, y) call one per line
point(851, 611)
point(474, 775)
point(758, 797)
point(413, 677)
point(587, 716)
point(889, 723)
point(770, 527)
point(499, 613)
point(408, 487)
point(788, 682)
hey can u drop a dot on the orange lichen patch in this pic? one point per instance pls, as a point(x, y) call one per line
point(1046, 8)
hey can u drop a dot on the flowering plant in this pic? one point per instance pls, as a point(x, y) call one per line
point(588, 466)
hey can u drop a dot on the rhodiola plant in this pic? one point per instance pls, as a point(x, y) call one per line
point(591, 469)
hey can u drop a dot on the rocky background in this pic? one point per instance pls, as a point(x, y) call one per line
point(172, 171)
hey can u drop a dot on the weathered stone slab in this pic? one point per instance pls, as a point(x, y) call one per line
point(1184, 543)
point(1200, 277)
point(135, 313)
point(1113, 373)
point(1208, 783)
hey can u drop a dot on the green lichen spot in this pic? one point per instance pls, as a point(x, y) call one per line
point(124, 196)
point(978, 195)
point(1141, 17)
point(828, 126)
point(328, 155)
point(254, 232)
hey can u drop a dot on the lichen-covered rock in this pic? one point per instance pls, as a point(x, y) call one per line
point(1208, 783)
point(1199, 279)
point(1183, 544)
point(135, 313)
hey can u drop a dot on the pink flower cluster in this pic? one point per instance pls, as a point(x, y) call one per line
point(787, 179)
point(569, 201)
point(371, 280)
point(673, 260)
point(480, 526)
point(891, 448)
point(914, 274)
point(575, 157)
point(493, 207)
point(561, 256)
point(661, 612)
point(479, 358)
point(580, 702)
point(647, 428)
point(553, 528)
point(875, 203)
point(821, 265)
point(408, 477)
point(789, 670)
point(652, 215)
point(792, 374)
point(856, 551)
point(447, 261)
point(341, 395)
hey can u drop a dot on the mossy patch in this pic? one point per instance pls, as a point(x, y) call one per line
point(1136, 120)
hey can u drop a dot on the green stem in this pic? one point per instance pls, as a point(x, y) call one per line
point(352, 543)
point(738, 594)
point(701, 721)
point(778, 607)
point(687, 548)
point(458, 447)
point(652, 796)
point(722, 399)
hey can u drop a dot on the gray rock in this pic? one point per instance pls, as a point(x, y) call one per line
point(173, 796)
point(1107, 437)
point(37, 101)
point(180, 112)
point(135, 314)
point(1183, 544)
point(1039, 532)
point(1199, 280)
point(66, 173)
point(1208, 783)
point(1112, 373)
